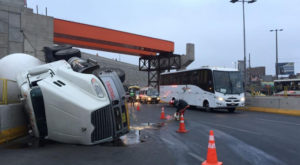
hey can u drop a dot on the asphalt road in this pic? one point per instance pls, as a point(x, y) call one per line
point(244, 138)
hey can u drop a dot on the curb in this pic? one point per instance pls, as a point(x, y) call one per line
point(272, 110)
point(12, 133)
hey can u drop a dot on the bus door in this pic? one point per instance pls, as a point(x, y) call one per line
point(206, 84)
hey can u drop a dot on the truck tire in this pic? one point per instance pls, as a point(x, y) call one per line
point(66, 54)
point(50, 51)
point(57, 48)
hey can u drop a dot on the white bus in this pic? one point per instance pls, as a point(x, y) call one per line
point(292, 87)
point(207, 87)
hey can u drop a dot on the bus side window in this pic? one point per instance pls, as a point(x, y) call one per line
point(178, 78)
point(195, 78)
point(205, 80)
point(167, 80)
point(185, 78)
point(162, 79)
point(210, 81)
point(201, 79)
point(173, 78)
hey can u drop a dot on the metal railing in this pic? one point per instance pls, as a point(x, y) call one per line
point(4, 91)
point(5, 98)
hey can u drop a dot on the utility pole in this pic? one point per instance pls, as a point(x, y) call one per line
point(249, 61)
point(244, 33)
point(276, 40)
point(249, 70)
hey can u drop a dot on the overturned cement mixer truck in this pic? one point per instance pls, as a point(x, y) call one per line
point(72, 100)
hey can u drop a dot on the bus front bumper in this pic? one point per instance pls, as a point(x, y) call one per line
point(222, 105)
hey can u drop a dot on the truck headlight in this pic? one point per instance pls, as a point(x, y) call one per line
point(242, 99)
point(220, 98)
point(97, 88)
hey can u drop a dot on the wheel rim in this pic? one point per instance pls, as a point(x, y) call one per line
point(206, 106)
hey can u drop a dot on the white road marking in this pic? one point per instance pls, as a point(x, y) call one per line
point(233, 128)
point(196, 157)
point(253, 155)
point(167, 141)
point(281, 122)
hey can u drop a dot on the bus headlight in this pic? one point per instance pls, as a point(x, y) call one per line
point(242, 99)
point(220, 98)
point(97, 88)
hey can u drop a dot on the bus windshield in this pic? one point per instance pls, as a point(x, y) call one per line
point(152, 92)
point(228, 82)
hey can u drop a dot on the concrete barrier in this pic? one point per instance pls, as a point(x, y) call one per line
point(274, 104)
point(12, 122)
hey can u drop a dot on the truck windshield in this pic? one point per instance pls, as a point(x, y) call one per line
point(228, 82)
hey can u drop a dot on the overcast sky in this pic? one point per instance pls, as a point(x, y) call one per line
point(214, 26)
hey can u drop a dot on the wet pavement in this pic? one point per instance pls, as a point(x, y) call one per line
point(245, 138)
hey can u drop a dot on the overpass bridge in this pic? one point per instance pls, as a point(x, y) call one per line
point(29, 32)
point(156, 55)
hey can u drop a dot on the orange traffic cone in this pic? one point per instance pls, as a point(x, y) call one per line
point(181, 125)
point(162, 114)
point(211, 152)
point(138, 107)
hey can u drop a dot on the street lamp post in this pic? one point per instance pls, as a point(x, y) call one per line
point(276, 39)
point(244, 31)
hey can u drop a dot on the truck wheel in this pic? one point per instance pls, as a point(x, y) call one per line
point(66, 54)
point(231, 110)
point(58, 48)
point(50, 51)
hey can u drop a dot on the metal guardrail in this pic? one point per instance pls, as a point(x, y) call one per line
point(4, 91)
point(4, 100)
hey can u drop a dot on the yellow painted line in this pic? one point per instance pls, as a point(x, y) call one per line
point(272, 110)
point(10, 134)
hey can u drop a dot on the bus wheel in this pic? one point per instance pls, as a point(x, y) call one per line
point(231, 110)
point(206, 106)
